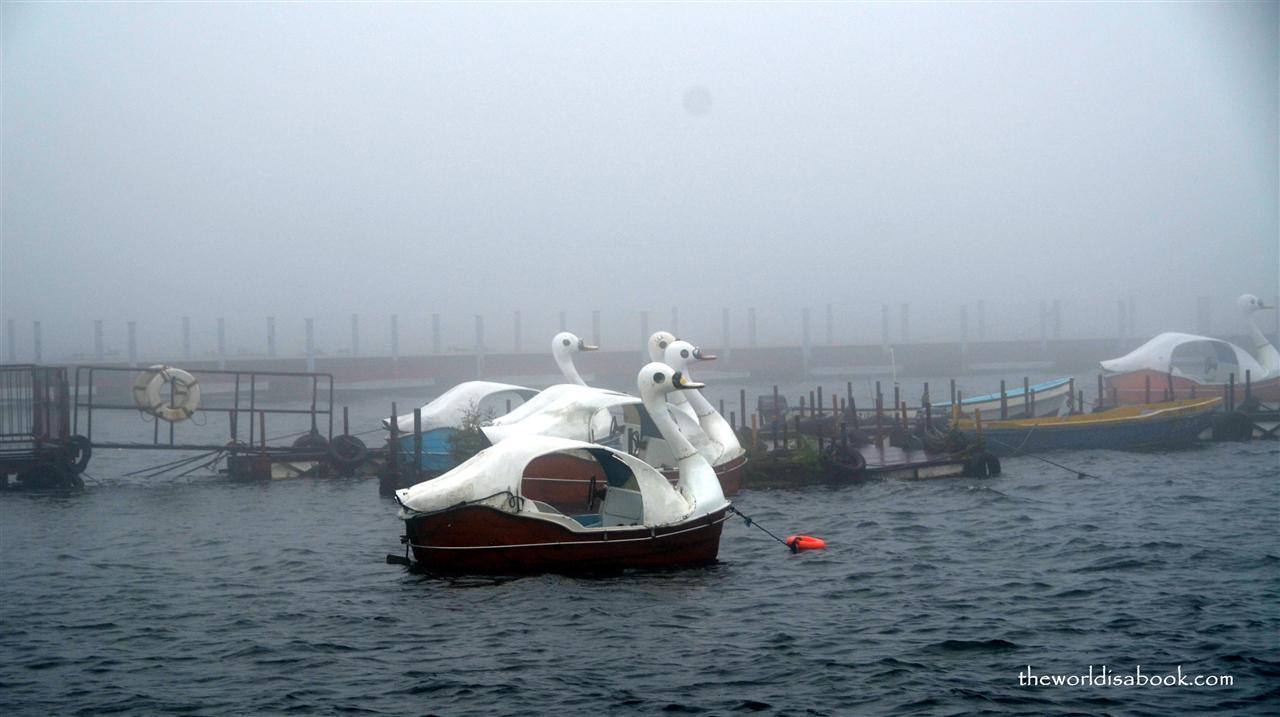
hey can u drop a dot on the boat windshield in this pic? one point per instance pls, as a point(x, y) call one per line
point(1204, 361)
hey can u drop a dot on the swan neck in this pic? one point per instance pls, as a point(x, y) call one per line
point(570, 372)
point(661, 416)
point(1266, 354)
point(701, 405)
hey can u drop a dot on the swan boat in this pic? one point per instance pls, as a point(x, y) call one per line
point(444, 416)
point(585, 413)
point(1176, 365)
point(479, 402)
point(698, 421)
point(478, 518)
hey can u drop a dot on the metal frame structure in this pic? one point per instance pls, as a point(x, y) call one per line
point(34, 416)
point(246, 387)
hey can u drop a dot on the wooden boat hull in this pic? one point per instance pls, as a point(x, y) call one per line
point(1163, 425)
point(1127, 389)
point(476, 539)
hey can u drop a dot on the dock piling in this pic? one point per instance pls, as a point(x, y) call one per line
point(928, 409)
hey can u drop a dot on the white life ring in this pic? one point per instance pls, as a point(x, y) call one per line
point(167, 392)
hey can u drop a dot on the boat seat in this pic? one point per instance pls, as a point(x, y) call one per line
point(622, 506)
point(588, 520)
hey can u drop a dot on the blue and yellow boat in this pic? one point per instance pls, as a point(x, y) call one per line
point(1127, 428)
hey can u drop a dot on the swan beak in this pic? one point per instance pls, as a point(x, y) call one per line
point(584, 346)
point(680, 381)
point(697, 354)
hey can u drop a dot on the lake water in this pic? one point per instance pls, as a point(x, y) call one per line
point(199, 596)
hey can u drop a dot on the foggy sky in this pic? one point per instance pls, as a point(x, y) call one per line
point(162, 160)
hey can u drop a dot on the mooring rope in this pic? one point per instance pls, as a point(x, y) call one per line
point(153, 471)
point(792, 546)
point(1079, 473)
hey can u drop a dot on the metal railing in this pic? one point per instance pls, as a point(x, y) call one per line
point(246, 389)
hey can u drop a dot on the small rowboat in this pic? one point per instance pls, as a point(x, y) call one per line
point(1045, 399)
point(1128, 428)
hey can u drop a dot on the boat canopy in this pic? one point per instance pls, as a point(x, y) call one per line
point(565, 410)
point(450, 408)
point(493, 476)
point(1199, 358)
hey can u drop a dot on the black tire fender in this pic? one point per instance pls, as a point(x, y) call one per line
point(982, 465)
point(311, 439)
point(347, 451)
point(79, 451)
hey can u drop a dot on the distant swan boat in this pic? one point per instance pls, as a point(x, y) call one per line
point(1177, 365)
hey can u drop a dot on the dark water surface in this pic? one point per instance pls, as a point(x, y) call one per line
point(205, 597)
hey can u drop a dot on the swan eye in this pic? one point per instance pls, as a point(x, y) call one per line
point(659, 377)
point(662, 344)
point(566, 342)
point(684, 353)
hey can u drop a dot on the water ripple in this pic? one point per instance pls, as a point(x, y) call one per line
point(211, 598)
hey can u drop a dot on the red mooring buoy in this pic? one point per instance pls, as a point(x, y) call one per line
point(805, 542)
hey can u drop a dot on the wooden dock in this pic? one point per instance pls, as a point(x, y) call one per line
point(894, 462)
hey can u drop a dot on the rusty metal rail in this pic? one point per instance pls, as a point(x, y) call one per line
point(246, 388)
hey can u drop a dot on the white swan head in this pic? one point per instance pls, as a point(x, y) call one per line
point(566, 344)
point(657, 379)
point(563, 346)
point(1249, 303)
point(680, 354)
point(658, 344)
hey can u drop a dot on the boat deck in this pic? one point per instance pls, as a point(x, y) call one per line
point(893, 462)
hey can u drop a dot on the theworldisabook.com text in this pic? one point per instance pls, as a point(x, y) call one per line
point(1104, 677)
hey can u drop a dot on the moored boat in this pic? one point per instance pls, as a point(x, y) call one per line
point(1185, 366)
point(479, 518)
point(1140, 427)
point(1044, 399)
point(443, 417)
